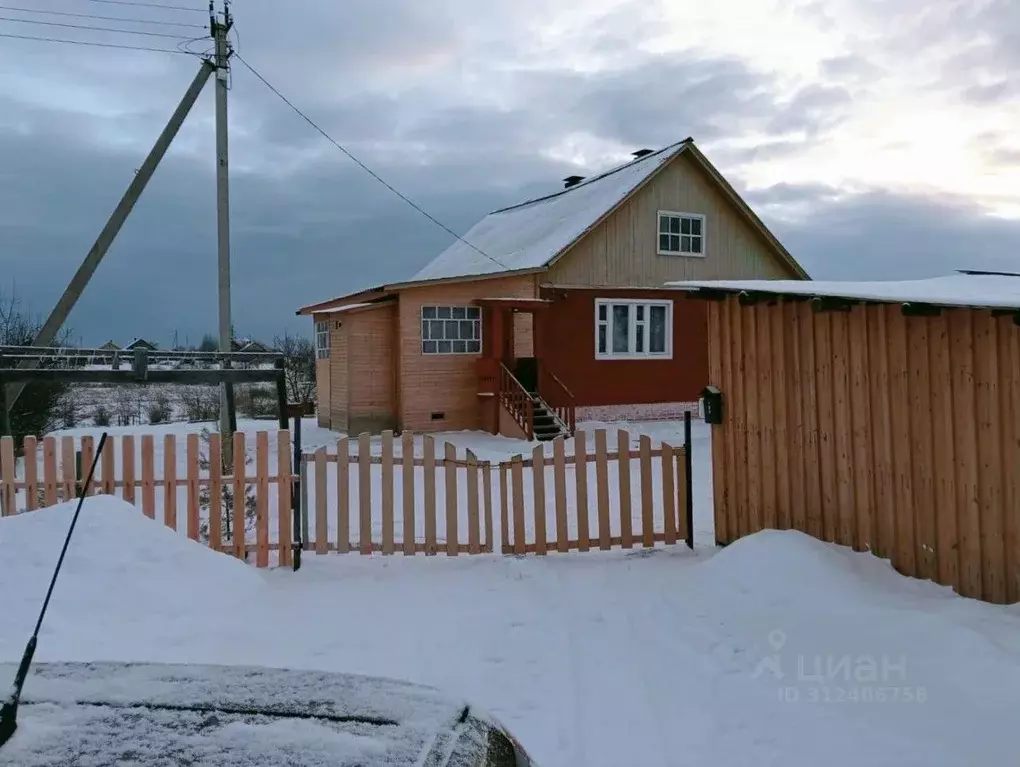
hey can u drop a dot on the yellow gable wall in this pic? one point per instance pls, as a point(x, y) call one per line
point(622, 251)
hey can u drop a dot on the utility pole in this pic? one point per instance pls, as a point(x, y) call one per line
point(219, 30)
point(81, 278)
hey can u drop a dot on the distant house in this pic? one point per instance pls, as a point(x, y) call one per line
point(110, 346)
point(140, 343)
point(550, 311)
point(249, 345)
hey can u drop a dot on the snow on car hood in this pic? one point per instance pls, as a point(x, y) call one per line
point(156, 714)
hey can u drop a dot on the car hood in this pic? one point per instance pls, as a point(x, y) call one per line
point(155, 714)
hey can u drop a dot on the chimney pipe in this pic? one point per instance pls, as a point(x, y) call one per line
point(570, 181)
point(642, 153)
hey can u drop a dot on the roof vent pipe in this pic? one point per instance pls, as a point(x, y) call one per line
point(642, 153)
point(570, 181)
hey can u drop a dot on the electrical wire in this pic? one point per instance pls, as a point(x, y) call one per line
point(102, 18)
point(68, 25)
point(150, 5)
point(365, 168)
point(98, 45)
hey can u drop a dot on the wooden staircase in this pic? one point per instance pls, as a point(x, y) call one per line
point(547, 424)
point(542, 418)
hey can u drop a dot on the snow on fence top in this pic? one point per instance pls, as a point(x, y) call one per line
point(964, 289)
point(529, 235)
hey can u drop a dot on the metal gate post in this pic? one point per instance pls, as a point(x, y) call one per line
point(689, 479)
point(295, 494)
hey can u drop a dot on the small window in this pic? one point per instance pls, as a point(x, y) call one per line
point(451, 330)
point(322, 340)
point(631, 329)
point(681, 234)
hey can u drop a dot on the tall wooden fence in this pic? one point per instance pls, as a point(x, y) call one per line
point(191, 494)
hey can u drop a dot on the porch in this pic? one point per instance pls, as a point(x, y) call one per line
point(525, 390)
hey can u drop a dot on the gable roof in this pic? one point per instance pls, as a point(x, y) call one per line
point(528, 237)
point(533, 233)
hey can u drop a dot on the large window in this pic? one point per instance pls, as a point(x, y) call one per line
point(626, 329)
point(322, 340)
point(681, 234)
point(451, 330)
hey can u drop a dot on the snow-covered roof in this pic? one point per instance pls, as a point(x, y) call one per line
point(347, 308)
point(530, 235)
point(965, 289)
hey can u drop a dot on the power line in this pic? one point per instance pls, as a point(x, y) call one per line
point(67, 25)
point(150, 5)
point(98, 45)
point(102, 18)
point(365, 168)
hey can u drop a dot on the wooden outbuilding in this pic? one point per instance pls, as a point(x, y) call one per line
point(879, 415)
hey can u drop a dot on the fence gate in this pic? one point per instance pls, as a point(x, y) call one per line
point(618, 493)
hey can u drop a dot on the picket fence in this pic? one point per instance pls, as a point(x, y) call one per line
point(433, 514)
point(127, 468)
point(373, 495)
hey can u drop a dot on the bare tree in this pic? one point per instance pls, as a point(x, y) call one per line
point(35, 412)
point(299, 359)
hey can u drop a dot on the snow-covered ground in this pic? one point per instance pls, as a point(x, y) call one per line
point(778, 650)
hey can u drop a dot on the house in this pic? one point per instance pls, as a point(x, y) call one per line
point(248, 345)
point(879, 415)
point(549, 311)
point(140, 343)
point(110, 346)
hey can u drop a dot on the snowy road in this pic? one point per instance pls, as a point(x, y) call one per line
point(603, 659)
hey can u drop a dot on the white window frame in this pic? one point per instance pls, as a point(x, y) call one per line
point(609, 303)
point(454, 309)
point(681, 215)
point(322, 340)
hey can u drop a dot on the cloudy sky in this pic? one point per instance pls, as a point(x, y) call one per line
point(878, 138)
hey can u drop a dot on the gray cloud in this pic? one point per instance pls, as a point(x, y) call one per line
point(457, 108)
point(879, 235)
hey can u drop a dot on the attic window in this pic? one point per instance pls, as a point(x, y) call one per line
point(681, 234)
point(451, 330)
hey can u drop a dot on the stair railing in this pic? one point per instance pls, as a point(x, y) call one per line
point(558, 397)
point(517, 401)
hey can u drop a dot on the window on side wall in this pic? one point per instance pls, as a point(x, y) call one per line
point(633, 329)
point(451, 330)
point(681, 234)
point(322, 340)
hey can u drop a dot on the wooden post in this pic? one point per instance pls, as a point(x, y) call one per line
point(5, 413)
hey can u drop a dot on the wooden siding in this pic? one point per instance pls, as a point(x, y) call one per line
point(566, 344)
point(371, 404)
point(437, 383)
point(891, 434)
point(622, 251)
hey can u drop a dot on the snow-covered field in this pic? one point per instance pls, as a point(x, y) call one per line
point(779, 650)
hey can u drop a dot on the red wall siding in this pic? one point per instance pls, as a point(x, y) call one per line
point(565, 342)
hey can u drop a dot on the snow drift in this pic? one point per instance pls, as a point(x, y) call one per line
point(130, 588)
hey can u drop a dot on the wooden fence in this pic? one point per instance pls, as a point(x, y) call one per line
point(373, 495)
point(660, 515)
point(334, 483)
point(894, 430)
point(53, 471)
